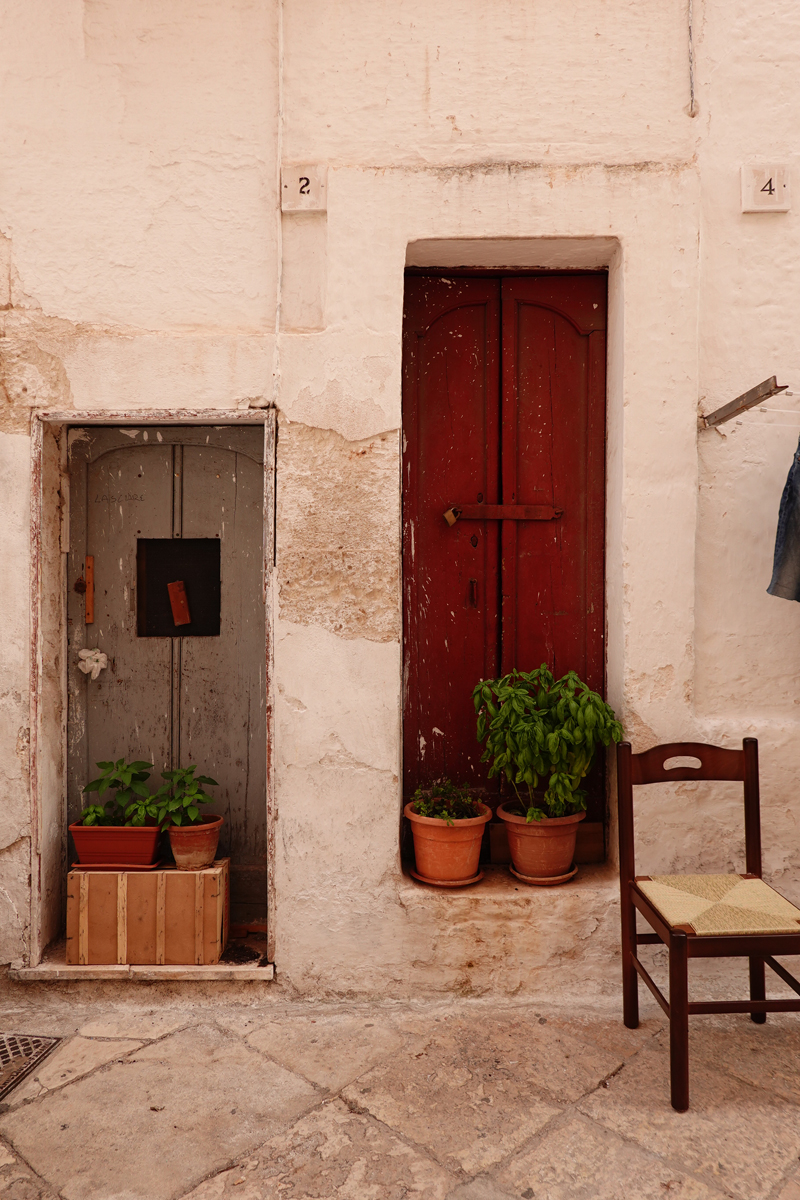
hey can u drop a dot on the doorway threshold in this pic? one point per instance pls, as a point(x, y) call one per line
point(54, 969)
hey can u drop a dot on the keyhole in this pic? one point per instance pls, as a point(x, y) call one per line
point(474, 539)
point(480, 497)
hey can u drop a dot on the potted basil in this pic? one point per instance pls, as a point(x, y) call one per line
point(192, 836)
point(542, 734)
point(447, 825)
point(123, 830)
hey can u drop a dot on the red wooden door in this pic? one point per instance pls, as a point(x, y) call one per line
point(503, 409)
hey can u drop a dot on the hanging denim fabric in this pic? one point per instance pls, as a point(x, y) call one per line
point(785, 580)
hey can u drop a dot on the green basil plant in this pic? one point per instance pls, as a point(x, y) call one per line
point(539, 729)
point(131, 802)
point(175, 803)
point(177, 800)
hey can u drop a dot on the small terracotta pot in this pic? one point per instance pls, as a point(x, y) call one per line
point(446, 853)
point(126, 845)
point(541, 849)
point(195, 846)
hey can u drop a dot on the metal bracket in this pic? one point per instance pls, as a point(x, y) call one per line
point(502, 512)
point(763, 391)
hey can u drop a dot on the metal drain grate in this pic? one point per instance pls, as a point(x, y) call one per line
point(19, 1054)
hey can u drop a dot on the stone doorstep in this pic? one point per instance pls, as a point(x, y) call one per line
point(59, 972)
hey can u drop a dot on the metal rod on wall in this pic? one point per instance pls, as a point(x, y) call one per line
point(763, 391)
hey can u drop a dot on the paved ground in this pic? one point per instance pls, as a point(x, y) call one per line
point(159, 1097)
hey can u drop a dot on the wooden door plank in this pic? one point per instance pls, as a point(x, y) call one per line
point(223, 497)
point(119, 493)
point(89, 593)
point(554, 417)
point(450, 573)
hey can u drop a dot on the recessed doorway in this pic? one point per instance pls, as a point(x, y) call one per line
point(503, 414)
point(149, 506)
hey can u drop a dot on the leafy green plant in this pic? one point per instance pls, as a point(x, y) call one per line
point(177, 800)
point(131, 803)
point(446, 801)
point(537, 728)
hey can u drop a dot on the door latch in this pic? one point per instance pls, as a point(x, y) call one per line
point(502, 512)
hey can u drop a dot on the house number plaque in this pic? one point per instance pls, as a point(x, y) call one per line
point(304, 188)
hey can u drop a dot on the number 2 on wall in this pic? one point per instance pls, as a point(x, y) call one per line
point(305, 185)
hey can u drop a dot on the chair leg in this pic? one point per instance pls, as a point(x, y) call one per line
point(758, 987)
point(679, 1021)
point(630, 980)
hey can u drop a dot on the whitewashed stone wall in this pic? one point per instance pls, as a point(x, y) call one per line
point(144, 264)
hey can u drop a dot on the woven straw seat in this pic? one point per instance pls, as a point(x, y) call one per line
point(721, 904)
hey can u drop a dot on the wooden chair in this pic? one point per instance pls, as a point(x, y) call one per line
point(700, 916)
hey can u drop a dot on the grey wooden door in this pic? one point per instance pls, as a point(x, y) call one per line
point(173, 698)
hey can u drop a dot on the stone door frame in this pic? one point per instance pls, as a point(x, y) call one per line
point(49, 533)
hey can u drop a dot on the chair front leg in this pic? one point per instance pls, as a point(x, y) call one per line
point(758, 987)
point(679, 1021)
point(630, 980)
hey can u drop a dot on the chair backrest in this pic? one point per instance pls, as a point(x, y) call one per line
point(715, 763)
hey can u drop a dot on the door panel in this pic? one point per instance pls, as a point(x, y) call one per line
point(223, 687)
point(504, 404)
point(554, 405)
point(174, 700)
point(129, 495)
point(450, 456)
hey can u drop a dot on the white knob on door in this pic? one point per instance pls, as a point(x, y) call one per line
point(92, 662)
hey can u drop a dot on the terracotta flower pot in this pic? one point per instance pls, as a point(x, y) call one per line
point(122, 845)
point(195, 846)
point(543, 849)
point(447, 855)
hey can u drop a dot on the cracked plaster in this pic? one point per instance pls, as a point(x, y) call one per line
point(139, 268)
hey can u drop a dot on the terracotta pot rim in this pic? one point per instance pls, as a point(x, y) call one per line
point(461, 822)
point(213, 819)
point(513, 819)
point(118, 828)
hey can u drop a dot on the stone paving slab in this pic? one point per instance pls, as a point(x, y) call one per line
point(608, 1033)
point(791, 1191)
point(737, 1138)
point(764, 1055)
point(457, 1100)
point(177, 1109)
point(147, 1025)
point(329, 1051)
point(577, 1160)
point(476, 1091)
point(18, 1182)
point(332, 1153)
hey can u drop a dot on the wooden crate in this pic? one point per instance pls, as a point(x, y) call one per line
point(148, 917)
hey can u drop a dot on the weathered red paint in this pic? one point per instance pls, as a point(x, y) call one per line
point(503, 404)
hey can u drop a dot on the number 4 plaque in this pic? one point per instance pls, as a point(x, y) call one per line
point(765, 188)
